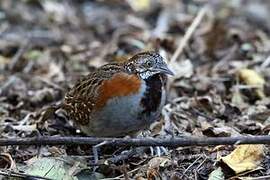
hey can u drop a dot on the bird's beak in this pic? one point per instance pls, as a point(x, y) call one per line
point(166, 70)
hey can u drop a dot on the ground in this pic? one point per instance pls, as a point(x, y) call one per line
point(219, 51)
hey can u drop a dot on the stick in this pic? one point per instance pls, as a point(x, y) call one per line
point(9, 173)
point(173, 142)
point(15, 59)
point(189, 33)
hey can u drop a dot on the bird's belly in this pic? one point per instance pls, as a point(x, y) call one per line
point(119, 117)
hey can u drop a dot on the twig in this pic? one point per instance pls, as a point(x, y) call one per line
point(173, 142)
point(196, 160)
point(9, 173)
point(15, 59)
point(189, 33)
point(266, 62)
point(257, 178)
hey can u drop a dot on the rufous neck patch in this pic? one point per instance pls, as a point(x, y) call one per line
point(121, 84)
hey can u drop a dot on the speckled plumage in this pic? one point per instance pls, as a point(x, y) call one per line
point(119, 99)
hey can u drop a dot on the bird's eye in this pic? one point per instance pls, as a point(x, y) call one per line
point(148, 63)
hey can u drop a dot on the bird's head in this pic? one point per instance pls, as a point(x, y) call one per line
point(147, 64)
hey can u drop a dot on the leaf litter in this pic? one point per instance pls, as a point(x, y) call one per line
point(221, 87)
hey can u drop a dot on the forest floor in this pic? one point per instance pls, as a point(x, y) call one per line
point(219, 51)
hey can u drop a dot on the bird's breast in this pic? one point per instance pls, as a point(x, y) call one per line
point(154, 95)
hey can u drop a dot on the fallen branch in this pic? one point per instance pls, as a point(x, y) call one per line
point(173, 142)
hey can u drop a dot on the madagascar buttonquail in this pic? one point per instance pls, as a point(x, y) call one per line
point(119, 99)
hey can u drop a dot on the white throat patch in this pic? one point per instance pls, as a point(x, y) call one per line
point(146, 74)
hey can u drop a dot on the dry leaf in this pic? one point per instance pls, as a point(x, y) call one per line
point(3, 62)
point(139, 5)
point(158, 162)
point(252, 78)
point(237, 99)
point(182, 69)
point(154, 165)
point(140, 178)
point(7, 162)
point(25, 128)
point(244, 158)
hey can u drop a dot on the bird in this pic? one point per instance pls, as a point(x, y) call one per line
point(119, 99)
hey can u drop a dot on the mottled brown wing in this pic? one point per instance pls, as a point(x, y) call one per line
point(81, 100)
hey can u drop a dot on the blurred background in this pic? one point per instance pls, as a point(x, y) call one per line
point(221, 86)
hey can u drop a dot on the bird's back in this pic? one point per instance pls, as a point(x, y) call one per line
point(81, 100)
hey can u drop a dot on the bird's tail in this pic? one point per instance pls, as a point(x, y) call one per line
point(49, 111)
